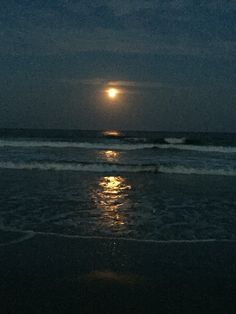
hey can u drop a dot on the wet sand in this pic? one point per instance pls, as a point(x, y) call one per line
point(55, 274)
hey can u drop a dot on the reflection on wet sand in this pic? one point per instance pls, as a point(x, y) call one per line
point(112, 198)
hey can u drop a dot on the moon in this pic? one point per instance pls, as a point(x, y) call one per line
point(112, 92)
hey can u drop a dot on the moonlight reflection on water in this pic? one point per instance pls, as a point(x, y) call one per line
point(109, 155)
point(112, 199)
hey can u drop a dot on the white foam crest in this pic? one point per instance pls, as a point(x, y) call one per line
point(174, 143)
point(101, 167)
point(175, 140)
point(189, 171)
point(87, 145)
point(23, 235)
point(28, 234)
point(200, 148)
point(96, 167)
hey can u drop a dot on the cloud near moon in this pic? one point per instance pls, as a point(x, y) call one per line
point(102, 82)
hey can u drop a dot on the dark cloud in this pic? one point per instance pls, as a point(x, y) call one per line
point(179, 54)
point(121, 83)
point(173, 27)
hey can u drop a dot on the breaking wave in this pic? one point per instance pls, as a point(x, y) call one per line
point(173, 143)
point(93, 167)
point(197, 171)
point(200, 148)
point(86, 145)
point(109, 167)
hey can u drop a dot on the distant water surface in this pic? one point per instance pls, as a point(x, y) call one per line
point(135, 185)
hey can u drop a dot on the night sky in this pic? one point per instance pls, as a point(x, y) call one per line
point(174, 61)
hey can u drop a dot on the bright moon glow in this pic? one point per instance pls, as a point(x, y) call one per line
point(112, 92)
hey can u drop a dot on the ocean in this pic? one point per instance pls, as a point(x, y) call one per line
point(149, 186)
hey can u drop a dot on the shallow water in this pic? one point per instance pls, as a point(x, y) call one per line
point(116, 186)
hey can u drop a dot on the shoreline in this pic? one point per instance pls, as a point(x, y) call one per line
point(54, 274)
point(28, 234)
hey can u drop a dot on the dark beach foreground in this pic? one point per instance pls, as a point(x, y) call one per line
point(55, 274)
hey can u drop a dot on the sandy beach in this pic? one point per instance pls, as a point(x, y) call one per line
point(57, 274)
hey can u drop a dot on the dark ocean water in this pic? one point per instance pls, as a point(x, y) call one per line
point(139, 185)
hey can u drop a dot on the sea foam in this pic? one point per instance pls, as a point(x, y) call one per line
point(110, 167)
point(174, 144)
point(86, 145)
